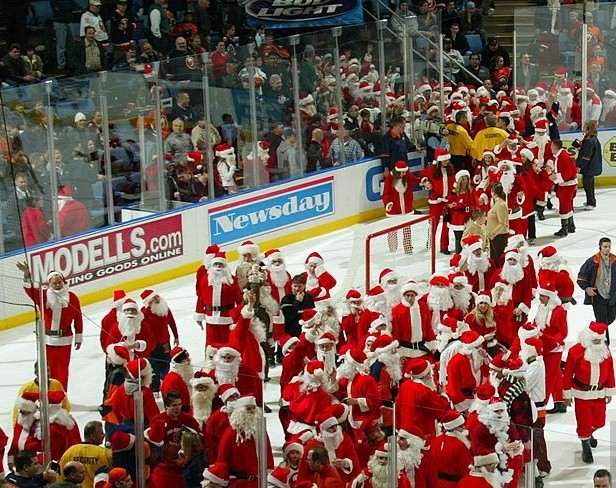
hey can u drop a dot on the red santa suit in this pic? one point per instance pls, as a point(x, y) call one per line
point(141, 333)
point(217, 423)
point(411, 326)
point(589, 379)
point(354, 325)
point(166, 433)
point(465, 371)
point(417, 404)
point(110, 320)
point(280, 286)
point(320, 283)
point(174, 381)
point(73, 216)
point(475, 480)
point(247, 334)
point(564, 175)
point(398, 200)
point(159, 324)
point(449, 456)
point(62, 318)
point(215, 301)
point(479, 269)
point(539, 143)
point(460, 206)
point(521, 290)
point(442, 186)
point(122, 402)
point(513, 185)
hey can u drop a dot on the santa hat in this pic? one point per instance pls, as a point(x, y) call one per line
point(178, 354)
point(438, 279)
point(332, 114)
point(279, 477)
point(533, 345)
point(449, 325)
point(202, 378)
point(498, 363)
point(248, 247)
point(402, 166)
point(122, 441)
point(424, 87)
point(223, 150)
point(472, 243)
point(355, 356)
point(137, 367)
point(485, 391)
point(296, 443)
point(547, 288)
point(226, 391)
point(340, 411)
point(325, 420)
point(286, 342)
point(566, 88)
point(212, 249)
point(353, 295)
point(305, 99)
point(417, 367)
point(528, 330)
point(118, 297)
point(65, 193)
point(376, 292)
point(432, 108)
point(384, 344)
point(27, 401)
point(454, 262)
point(461, 174)
point(101, 477)
point(382, 449)
point(471, 339)
point(452, 420)
point(441, 155)
point(314, 258)
point(597, 330)
point(129, 304)
point(326, 338)
point(247, 400)
point(377, 325)
point(314, 367)
point(541, 125)
point(55, 273)
point(413, 434)
point(610, 93)
point(217, 473)
point(483, 297)
point(386, 275)
point(116, 475)
point(410, 286)
point(148, 295)
point(527, 153)
point(272, 255)
point(496, 403)
point(485, 460)
point(458, 278)
point(515, 367)
point(513, 254)
point(560, 71)
point(228, 350)
point(309, 317)
point(118, 354)
point(549, 255)
point(220, 257)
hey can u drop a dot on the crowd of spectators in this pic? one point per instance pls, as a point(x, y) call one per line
point(479, 82)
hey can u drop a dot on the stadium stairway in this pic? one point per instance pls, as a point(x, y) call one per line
point(500, 23)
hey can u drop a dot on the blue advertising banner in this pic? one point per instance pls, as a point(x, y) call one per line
point(283, 14)
point(273, 210)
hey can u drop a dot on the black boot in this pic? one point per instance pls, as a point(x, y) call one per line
point(559, 407)
point(587, 452)
point(593, 442)
point(539, 210)
point(548, 204)
point(570, 225)
point(564, 225)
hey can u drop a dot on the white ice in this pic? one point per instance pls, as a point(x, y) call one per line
point(18, 347)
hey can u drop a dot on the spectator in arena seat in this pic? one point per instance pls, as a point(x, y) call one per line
point(158, 35)
point(15, 67)
point(92, 18)
point(73, 215)
point(528, 73)
point(29, 473)
point(475, 68)
point(397, 19)
point(308, 76)
point(182, 110)
point(128, 60)
point(187, 28)
point(491, 50)
point(449, 16)
point(121, 30)
point(178, 143)
point(219, 59)
point(204, 19)
point(287, 157)
point(34, 63)
point(199, 135)
point(188, 188)
point(91, 57)
point(452, 58)
point(231, 78)
point(472, 20)
point(460, 43)
point(396, 145)
point(149, 54)
point(34, 226)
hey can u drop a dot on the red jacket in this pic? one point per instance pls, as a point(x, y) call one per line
point(396, 202)
point(441, 186)
point(580, 373)
point(418, 405)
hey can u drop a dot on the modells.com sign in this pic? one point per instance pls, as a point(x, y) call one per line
point(271, 211)
point(302, 13)
point(119, 250)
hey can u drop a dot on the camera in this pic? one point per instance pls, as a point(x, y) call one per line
point(576, 143)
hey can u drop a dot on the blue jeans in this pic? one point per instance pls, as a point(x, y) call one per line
point(64, 32)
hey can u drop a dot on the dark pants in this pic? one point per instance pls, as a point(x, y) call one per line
point(159, 359)
point(532, 228)
point(588, 181)
point(539, 445)
point(497, 247)
point(604, 311)
point(458, 236)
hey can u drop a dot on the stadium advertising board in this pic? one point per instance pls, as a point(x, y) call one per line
point(109, 253)
point(282, 14)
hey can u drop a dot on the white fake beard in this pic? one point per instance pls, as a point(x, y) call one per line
point(160, 309)
point(478, 264)
point(258, 330)
point(330, 321)
point(57, 299)
point(313, 382)
point(61, 203)
point(380, 474)
point(507, 179)
point(279, 275)
point(332, 441)
point(565, 102)
point(608, 106)
point(346, 370)
point(494, 478)
point(462, 436)
point(201, 402)
point(512, 273)
point(461, 298)
point(392, 294)
point(26, 420)
point(227, 373)
point(328, 358)
point(311, 280)
point(542, 316)
point(244, 423)
point(410, 458)
point(185, 370)
point(377, 305)
point(496, 426)
point(220, 276)
point(428, 381)
point(393, 365)
point(129, 327)
point(439, 298)
point(596, 353)
point(442, 340)
point(60, 416)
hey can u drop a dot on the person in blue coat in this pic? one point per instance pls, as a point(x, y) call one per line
point(589, 161)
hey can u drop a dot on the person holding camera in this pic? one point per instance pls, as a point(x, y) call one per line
point(29, 472)
point(589, 161)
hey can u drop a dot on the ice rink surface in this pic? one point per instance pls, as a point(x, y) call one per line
point(18, 347)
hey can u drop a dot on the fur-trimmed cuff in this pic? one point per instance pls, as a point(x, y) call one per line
point(199, 317)
point(522, 306)
point(347, 466)
point(78, 338)
point(247, 313)
point(363, 404)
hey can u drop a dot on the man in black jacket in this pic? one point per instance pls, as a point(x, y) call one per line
point(66, 16)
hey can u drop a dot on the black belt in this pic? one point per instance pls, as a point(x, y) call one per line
point(418, 346)
point(58, 333)
point(449, 477)
point(539, 404)
point(585, 387)
point(244, 476)
point(218, 308)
